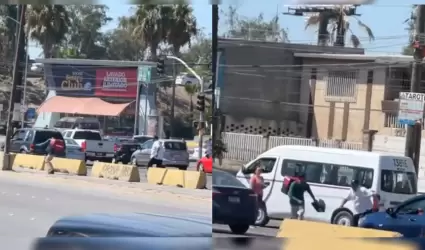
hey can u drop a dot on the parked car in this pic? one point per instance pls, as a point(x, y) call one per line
point(205, 164)
point(73, 150)
point(124, 151)
point(24, 140)
point(175, 154)
point(406, 218)
point(128, 232)
point(95, 148)
point(233, 203)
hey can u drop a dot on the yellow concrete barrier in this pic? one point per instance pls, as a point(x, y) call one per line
point(195, 179)
point(348, 244)
point(70, 166)
point(177, 178)
point(29, 161)
point(113, 171)
point(299, 228)
point(174, 177)
point(156, 175)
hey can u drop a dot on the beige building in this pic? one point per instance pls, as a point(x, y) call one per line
point(345, 94)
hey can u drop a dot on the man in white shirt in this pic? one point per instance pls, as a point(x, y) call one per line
point(362, 198)
point(157, 153)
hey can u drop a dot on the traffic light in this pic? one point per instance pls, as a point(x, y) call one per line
point(160, 66)
point(200, 105)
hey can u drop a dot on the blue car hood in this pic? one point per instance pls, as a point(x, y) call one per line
point(375, 218)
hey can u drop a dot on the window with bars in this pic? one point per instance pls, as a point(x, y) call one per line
point(341, 86)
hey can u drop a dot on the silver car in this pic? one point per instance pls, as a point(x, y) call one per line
point(74, 151)
point(175, 154)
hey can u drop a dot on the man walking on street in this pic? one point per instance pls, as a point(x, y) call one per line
point(52, 147)
point(296, 196)
point(157, 153)
point(362, 198)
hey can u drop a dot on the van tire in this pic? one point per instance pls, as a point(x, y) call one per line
point(343, 217)
point(262, 217)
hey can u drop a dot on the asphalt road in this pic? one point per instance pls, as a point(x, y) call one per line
point(270, 230)
point(29, 206)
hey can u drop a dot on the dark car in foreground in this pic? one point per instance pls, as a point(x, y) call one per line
point(407, 218)
point(128, 231)
point(233, 203)
point(124, 151)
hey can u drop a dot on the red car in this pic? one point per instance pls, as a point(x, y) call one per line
point(205, 164)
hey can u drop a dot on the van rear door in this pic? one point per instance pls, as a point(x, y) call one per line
point(397, 180)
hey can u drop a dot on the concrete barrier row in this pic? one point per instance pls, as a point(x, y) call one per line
point(177, 178)
point(300, 229)
point(127, 173)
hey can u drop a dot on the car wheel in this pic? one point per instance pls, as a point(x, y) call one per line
point(239, 229)
point(22, 151)
point(125, 162)
point(201, 167)
point(343, 218)
point(262, 217)
point(183, 168)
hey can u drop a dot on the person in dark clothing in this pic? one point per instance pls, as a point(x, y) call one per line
point(296, 196)
point(49, 154)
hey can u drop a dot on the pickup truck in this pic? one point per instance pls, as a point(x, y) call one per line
point(93, 145)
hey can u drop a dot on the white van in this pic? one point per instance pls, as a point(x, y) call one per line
point(330, 172)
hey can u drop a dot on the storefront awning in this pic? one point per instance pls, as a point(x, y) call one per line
point(82, 106)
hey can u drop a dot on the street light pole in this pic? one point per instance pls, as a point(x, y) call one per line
point(201, 89)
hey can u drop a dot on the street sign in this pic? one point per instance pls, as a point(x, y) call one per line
point(411, 107)
point(144, 74)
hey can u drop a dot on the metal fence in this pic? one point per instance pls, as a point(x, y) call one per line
point(245, 147)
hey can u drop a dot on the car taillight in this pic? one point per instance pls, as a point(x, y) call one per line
point(32, 147)
point(83, 146)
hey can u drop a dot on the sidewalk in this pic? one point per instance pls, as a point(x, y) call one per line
point(132, 188)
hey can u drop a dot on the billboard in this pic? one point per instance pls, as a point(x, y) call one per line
point(72, 80)
point(116, 82)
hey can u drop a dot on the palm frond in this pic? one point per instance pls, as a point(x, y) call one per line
point(312, 20)
point(368, 30)
point(355, 41)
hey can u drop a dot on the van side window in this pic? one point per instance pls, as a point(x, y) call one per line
point(330, 174)
point(266, 164)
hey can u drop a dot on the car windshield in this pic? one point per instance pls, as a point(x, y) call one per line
point(398, 182)
point(175, 145)
point(42, 136)
point(221, 178)
point(87, 135)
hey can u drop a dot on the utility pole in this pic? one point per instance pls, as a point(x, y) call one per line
point(17, 80)
point(413, 137)
point(215, 133)
point(20, 38)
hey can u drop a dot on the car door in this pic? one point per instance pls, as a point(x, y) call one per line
point(267, 164)
point(144, 154)
point(408, 219)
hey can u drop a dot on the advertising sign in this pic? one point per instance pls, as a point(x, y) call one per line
point(411, 108)
point(72, 80)
point(116, 82)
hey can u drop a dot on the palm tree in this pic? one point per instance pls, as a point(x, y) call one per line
point(191, 90)
point(333, 26)
point(152, 21)
point(182, 27)
point(48, 25)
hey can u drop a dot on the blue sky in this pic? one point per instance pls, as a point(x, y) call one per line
point(385, 18)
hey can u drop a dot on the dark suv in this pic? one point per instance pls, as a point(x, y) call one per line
point(24, 140)
point(124, 150)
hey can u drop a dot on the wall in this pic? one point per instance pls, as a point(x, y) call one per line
point(344, 121)
point(261, 84)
